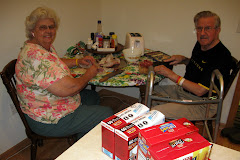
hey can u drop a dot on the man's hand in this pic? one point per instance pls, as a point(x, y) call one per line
point(175, 59)
point(166, 72)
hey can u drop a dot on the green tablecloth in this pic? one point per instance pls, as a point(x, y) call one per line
point(130, 76)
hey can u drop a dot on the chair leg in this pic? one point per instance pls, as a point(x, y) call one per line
point(72, 140)
point(34, 149)
point(40, 142)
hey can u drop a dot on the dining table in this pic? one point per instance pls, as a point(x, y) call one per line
point(130, 77)
point(89, 148)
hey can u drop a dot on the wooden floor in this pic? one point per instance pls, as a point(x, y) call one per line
point(54, 147)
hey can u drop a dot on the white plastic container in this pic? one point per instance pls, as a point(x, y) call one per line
point(89, 43)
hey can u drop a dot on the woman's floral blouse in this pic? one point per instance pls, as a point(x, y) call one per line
point(36, 70)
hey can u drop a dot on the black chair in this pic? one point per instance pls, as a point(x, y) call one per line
point(221, 93)
point(234, 72)
point(9, 81)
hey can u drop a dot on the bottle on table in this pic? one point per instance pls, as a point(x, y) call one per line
point(100, 41)
point(89, 43)
point(93, 37)
point(106, 42)
point(110, 34)
point(99, 27)
point(114, 42)
point(99, 32)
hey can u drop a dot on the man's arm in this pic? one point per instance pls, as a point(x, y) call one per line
point(188, 85)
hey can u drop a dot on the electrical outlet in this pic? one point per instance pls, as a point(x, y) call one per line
point(13, 109)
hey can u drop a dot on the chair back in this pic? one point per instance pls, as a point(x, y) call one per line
point(8, 78)
point(234, 71)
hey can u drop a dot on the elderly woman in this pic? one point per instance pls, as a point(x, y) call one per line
point(48, 94)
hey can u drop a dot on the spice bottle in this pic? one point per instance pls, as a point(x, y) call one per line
point(106, 42)
point(89, 43)
point(110, 34)
point(114, 42)
point(92, 37)
point(100, 42)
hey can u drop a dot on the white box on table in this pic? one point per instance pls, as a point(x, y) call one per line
point(126, 138)
point(117, 121)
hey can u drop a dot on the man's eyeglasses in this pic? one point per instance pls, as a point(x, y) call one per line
point(206, 29)
point(44, 27)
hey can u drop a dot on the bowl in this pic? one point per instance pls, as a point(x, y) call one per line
point(132, 54)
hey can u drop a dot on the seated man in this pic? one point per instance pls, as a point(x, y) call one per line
point(208, 54)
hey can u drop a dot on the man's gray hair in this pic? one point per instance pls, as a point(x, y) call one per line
point(205, 14)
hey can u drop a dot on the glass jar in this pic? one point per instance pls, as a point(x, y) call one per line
point(106, 42)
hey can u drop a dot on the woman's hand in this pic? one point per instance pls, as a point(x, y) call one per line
point(175, 59)
point(86, 62)
point(92, 71)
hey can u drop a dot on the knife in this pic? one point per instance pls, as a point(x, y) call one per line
point(110, 75)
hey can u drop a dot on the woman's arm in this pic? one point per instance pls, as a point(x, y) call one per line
point(68, 86)
point(69, 62)
point(85, 61)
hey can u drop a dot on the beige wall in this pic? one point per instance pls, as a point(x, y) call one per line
point(166, 26)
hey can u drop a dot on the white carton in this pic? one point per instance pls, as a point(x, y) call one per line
point(126, 138)
point(117, 121)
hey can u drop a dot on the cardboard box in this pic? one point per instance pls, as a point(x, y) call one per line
point(117, 121)
point(126, 138)
point(166, 131)
point(186, 147)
